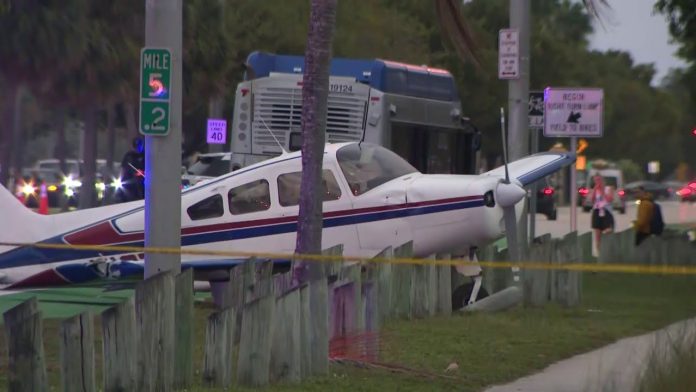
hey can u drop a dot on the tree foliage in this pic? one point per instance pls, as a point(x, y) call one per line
point(75, 53)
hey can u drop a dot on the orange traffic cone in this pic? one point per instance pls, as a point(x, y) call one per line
point(20, 194)
point(43, 200)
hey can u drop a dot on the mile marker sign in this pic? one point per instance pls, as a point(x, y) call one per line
point(573, 112)
point(155, 86)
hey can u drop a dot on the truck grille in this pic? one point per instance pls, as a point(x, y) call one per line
point(281, 110)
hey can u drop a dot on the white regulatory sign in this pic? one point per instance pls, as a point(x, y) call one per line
point(573, 112)
point(216, 131)
point(508, 54)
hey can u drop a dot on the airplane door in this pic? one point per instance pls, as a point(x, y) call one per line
point(383, 220)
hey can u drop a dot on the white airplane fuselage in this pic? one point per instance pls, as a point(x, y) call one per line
point(439, 213)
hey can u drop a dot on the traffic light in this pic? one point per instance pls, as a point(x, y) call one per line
point(693, 132)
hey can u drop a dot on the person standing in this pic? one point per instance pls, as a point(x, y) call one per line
point(646, 207)
point(602, 218)
point(133, 172)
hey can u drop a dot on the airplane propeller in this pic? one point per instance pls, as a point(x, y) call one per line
point(508, 193)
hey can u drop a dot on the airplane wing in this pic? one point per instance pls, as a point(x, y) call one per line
point(534, 167)
point(109, 273)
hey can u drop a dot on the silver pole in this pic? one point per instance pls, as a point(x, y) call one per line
point(533, 196)
point(163, 20)
point(573, 188)
point(518, 94)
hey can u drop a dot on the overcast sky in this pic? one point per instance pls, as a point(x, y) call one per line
point(631, 26)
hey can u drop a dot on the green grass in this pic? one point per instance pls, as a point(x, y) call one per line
point(489, 349)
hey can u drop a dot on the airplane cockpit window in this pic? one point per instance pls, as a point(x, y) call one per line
point(289, 188)
point(207, 208)
point(367, 166)
point(251, 197)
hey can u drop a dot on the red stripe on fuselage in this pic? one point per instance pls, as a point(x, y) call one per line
point(104, 233)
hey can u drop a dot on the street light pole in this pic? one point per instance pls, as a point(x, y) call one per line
point(163, 29)
point(518, 94)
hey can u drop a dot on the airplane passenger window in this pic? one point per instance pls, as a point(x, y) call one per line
point(367, 166)
point(251, 197)
point(206, 208)
point(289, 188)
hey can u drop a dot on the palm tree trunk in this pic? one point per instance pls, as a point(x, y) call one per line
point(18, 145)
point(111, 129)
point(131, 120)
point(88, 196)
point(59, 151)
point(315, 90)
point(7, 134)
point(215, 110)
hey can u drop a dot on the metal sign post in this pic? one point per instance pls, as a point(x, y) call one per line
point(160, 122)
point(536, 124)
point(573, 188)
point(573, 113)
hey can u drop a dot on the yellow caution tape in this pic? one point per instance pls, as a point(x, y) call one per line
point(663, 269)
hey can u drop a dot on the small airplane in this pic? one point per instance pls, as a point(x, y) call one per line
point(372, 199)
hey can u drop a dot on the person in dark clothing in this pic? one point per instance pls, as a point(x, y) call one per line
point(646, 208)
point(133, 172)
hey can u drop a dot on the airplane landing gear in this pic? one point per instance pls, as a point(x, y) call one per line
point(471, 292)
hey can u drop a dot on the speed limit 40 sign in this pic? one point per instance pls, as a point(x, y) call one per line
point(155, 85)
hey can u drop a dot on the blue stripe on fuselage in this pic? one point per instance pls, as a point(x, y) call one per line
point(25, 256)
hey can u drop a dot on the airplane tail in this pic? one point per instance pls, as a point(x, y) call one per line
point(19, 224)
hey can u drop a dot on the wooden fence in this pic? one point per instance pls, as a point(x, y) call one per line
point(268, 329)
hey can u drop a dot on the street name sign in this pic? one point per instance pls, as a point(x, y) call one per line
point(508, 54)
point(217, 131)
point(155, 87)
point(573, 112)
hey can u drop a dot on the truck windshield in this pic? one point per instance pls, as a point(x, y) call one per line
point(367, 166)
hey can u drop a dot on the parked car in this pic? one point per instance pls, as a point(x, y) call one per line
point(688, 192)
point(208, 166)
point(33, 179)
point(546, 200)
point(613, 179)
point(658, 190)
point(673, 187)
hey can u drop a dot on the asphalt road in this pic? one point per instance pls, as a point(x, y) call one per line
point(673, 212)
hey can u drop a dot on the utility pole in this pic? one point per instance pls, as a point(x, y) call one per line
point(518, 96)
point(160, 122)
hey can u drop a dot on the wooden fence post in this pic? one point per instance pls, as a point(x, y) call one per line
point(444, 286)
point(319, 326)
point(118, 346)
point(384, 285)
point(565, 287)
point(402, 283)
point(585, 244)
point(154, 309)
point(535, 283)
point(219, 348)
point(183, 365)
point(77, 353)
point(305, 333)
point(353, 273)
point(286, 362)
point(255, 342)
point(24, 339)
point(424, 294)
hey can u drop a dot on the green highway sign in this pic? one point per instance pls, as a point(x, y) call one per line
point(155, 87)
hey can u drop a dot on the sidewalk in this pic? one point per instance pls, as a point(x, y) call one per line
point(616, 367)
